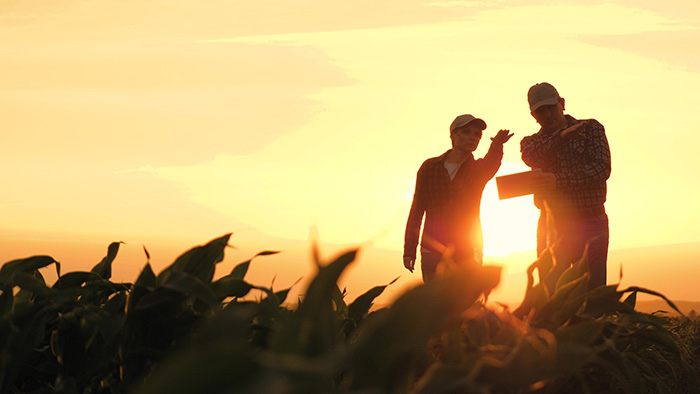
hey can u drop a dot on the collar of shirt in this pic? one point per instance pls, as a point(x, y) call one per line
point(442, 158)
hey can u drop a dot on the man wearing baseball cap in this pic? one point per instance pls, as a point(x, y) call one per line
point(574, 157)
point(448, 195)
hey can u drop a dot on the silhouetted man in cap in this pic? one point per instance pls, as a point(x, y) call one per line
point(574, 157)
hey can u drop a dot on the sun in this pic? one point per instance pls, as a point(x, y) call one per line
point(509, 225)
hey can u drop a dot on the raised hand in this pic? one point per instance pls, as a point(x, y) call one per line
point(502, 136)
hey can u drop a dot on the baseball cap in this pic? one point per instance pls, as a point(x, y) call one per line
point(463, 120)
point(542, 94)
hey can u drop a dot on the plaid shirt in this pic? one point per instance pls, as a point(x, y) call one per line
point(582, 166)
point(451, 208)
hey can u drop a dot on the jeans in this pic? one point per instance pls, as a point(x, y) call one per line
point(573, 232)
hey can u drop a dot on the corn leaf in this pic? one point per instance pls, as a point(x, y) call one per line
point(240, 270)
point(189, 285)
point(104, 267)
point(389, 343)
point(312, 330)
point(362, 304)
point(24, 265)
point(231, 287)
point(199, 261)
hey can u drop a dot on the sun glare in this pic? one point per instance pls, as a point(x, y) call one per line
point(509, 225)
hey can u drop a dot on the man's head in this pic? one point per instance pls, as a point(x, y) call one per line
point(546, 106)
point(466, 132)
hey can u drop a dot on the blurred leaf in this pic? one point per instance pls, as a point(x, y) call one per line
point(564, 302)
point(338, 299)
point(387, 346)
point(190, 285)
point(241, 269)
point(312, 329)
point(218, 367)
point(544, 264)
point(576, 271)
point(24, 265)
point(76, 279)
point(144, 284)
point(104, 267)
point(282, 295)
point(535, 298)
point(362, 304)
point(647, 291)
point(231, 287)
point(148, 255)
point(29, 282)
point(161, 299)
point(583, 333)
point(146, 278)
point(6, 301)
point(631, 300)
point(116, 305)
point(200, 261)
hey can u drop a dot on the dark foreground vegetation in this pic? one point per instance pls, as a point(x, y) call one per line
point(181, 331)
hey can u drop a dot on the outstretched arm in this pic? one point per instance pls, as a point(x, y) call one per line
point(597, 166)
point(413, 224)
point(539, 150)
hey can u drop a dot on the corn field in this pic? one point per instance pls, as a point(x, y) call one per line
point(182, 331)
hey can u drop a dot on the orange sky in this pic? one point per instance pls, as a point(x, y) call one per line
point(168, 123)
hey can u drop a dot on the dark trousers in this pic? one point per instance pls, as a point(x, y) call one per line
point(574, 230)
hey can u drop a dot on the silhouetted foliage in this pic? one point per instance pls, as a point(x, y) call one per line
point(182, 331)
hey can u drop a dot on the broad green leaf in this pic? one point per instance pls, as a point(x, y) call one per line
point(104, 267)
point(117, 304)
point(76, 279)
point(631, 300)
point(282, 294)
point(30, 283)
point(200, 261)
point(146, 278)
point(338, 299)
point(387, 343)
point(24, 265)
point(564, 303)
point(6, 301)
point(148, 255)
point(145, 283)
point(312, 330)
point(544, 263)
point(535, 297)
point(231, 287)
point(362, 304)
point(583, 333)
point(576, 271)
point(190, 285)
point(655, 293)
point(450, 378)
point(240, 270)
point(160, 299)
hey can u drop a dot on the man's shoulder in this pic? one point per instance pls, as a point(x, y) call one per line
point(435, 160)
point(590, 122)
point(593, 124)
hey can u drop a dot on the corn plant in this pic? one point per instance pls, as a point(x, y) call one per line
point(183, 331)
